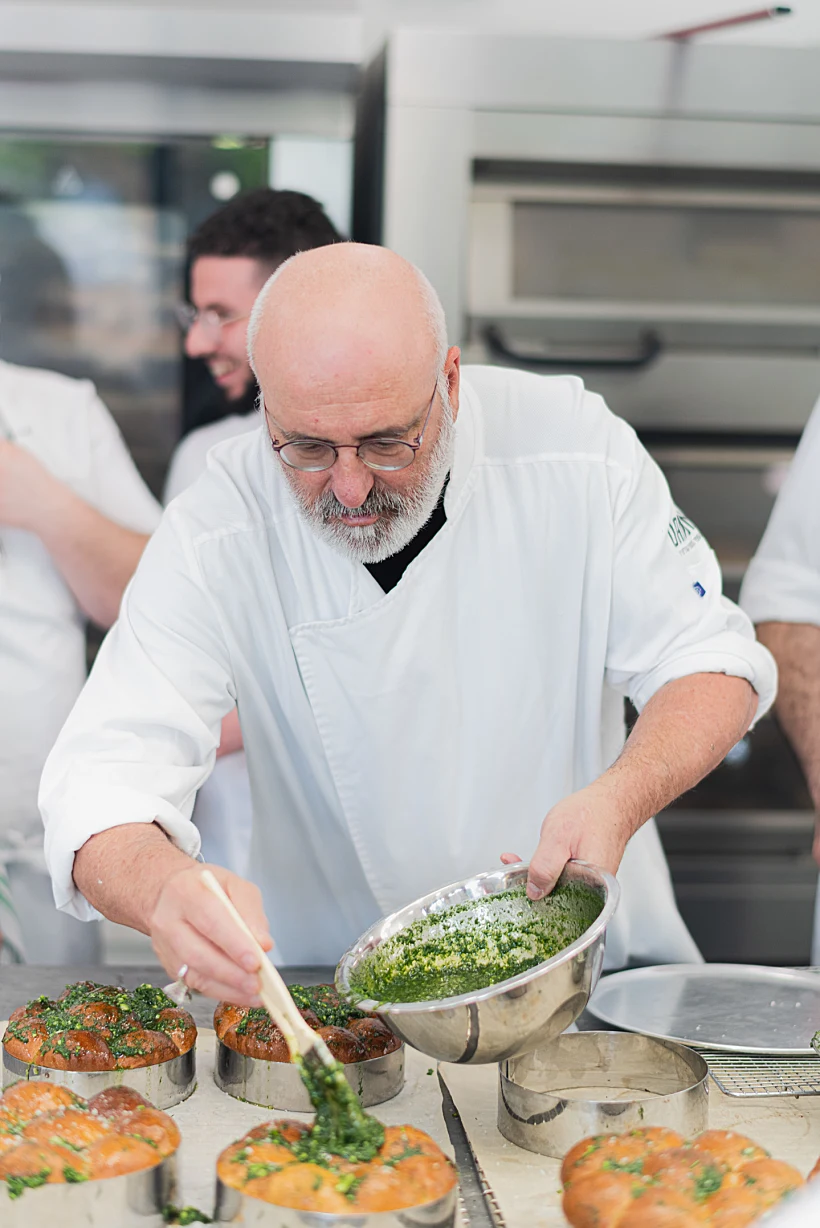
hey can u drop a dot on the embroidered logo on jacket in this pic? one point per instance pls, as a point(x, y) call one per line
point(683, 535)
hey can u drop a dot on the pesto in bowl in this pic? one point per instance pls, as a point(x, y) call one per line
point(475, 944)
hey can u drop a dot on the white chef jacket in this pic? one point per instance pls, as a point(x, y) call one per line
point(223, 811)
point(190, 455)
point(65, 425)
point(399, 741)
point(782, 583)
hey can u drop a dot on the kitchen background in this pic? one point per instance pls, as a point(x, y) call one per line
point(585, 194)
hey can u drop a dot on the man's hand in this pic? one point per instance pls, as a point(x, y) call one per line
point(683, 732)
point(27, 490)
point(586, 825)
point(188, 926)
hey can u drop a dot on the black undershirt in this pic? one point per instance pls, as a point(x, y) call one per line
point(390, 570)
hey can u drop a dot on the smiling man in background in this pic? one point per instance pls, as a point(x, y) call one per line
point(428, 597)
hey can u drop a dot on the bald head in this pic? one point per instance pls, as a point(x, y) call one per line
point(346, 324)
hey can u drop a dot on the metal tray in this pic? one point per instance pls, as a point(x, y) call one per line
point(235, 1208)
point(165, 1084)
point(588, 1083)
point(734, 1008)
point(278, 1085)
point(135, 1200)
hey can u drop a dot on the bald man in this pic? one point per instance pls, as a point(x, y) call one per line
point(427, 597)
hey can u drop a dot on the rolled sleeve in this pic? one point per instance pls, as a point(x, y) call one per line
point(669, 617)
point(143, 735)
point(782, 583)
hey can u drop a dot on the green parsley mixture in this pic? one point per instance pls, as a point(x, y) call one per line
point(323, 1000)
point(139, 1008)
point(476, 944)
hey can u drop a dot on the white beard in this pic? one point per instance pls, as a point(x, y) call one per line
point(400, 515)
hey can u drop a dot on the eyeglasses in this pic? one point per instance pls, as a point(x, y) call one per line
point(212, 321)
point(314, 456)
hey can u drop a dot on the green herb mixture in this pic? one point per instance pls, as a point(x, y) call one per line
point(476, 944)
point(138, 1009)
point(341, 1126)
point(323, 1000)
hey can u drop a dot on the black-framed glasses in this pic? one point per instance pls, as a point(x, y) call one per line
point(314, 455)
point(212, 321)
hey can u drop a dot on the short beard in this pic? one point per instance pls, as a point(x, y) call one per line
point(401, 516)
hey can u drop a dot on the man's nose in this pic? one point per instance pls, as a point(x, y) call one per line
point(350, 479)
point(198, 341)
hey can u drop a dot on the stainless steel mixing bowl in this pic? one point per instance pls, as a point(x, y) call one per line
point(505, 1020)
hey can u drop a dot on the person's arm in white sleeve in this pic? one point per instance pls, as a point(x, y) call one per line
point(685, 656)
point(118, 788)
point(95, 544)
point(781, 594)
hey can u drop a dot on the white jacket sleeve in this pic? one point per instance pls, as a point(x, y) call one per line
point(668, 615)
point(118, 489)
point(782, 583)
point(143, 735)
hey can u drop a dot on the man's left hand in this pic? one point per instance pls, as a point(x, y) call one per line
point(588, 826)
point(27, 489)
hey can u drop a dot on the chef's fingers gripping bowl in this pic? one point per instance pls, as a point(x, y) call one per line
point(502, 1020)
point(96, 1036)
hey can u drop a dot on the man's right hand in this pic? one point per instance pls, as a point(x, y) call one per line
point(188, 926)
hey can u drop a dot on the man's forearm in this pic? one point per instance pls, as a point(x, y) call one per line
point(95, 556)
point(796, 648)
point(122, 871)
point(683, 733)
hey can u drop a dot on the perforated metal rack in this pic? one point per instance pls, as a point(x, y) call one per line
point(754, 1074)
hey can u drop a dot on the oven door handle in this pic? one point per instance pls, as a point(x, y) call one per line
point(650, 349)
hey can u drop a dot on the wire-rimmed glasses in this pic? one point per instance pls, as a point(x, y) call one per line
point(315, 455)
point(212, 321)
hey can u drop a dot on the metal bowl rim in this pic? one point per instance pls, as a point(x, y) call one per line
point(612, 894)
point(698, 1067)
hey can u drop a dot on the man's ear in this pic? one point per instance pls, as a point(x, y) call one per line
point(452, 369)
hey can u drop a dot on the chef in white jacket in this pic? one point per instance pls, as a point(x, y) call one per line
point(409, 711)
point(781, 594)
point(74, 519)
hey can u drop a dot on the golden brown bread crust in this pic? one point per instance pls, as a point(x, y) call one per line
point(409, 1170)
point(100, 1027)
point(49, 1135)
point(179, 1027)
point(76, 1049)
point(351, 1036)
point(227, 1015)
point(376, 1037)
point(142, 1047)
point(344, 1046)
point(27, 1041)
point(653, 1179)
point(116, 1100)
point(28, 1098)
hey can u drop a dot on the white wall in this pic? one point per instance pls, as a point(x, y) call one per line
point(593, 18)
point(256, 26)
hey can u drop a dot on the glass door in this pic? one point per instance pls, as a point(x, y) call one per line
point(92, 238)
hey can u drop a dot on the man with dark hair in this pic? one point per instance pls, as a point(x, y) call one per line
point(231, 256)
